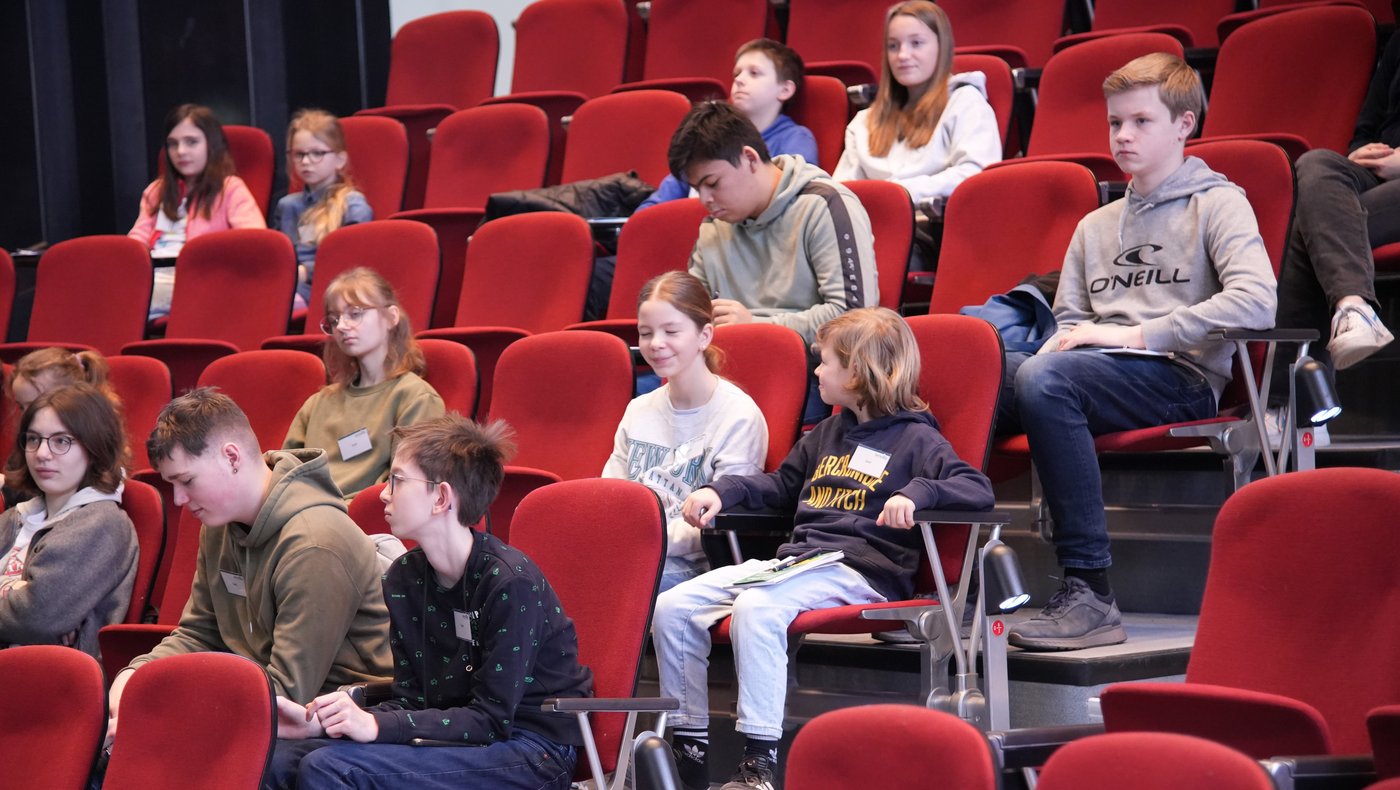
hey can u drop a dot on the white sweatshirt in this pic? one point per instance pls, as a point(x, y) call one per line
point(964, 142)
point(674, 452)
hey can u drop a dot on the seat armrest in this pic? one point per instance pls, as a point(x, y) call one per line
point(963, 516)
point(1321, 771)
point(752, 522)
point(370, 692)
point(1030, 747)
point(610, 705)
point(1266, 335)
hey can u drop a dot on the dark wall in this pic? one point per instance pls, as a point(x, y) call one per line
point(86, 84)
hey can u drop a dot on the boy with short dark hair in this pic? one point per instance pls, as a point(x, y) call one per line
point(1151, 274)
point(784, 243)
point(479, 638)
point(767, 75)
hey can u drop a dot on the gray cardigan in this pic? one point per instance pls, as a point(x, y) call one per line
point(77, 576)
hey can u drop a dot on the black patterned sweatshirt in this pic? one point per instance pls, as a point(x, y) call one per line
point(523, 650)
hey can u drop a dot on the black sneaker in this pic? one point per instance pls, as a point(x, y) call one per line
point(756, 771)
point(1074, 619)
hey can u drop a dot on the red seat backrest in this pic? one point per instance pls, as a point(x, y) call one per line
point(835, 750)
point(484, 150)
point(821, 106)
point(447, 58)
point(1319, 545)
point(143, 384)
point(55, 718)
point(245, 378)
point(983, 254)
point(564, 393)
point(570, 45)
point(1030, 25)
point(1302, 72)
point(1001, 85)
point(451, 370)
point(519, 481)
point(1198, 16)
point(570, 530)
point(675, 26)
point(252, 152)
point(403, 252)
point(827, 30)
point(892, 219)
point(94, 290)
point(1070, 117)
point(147, 513)
point(621, 132)
point(234, 285)
point(1150, 759)
point(769, 362)
point(527, 271)
point(652, 243)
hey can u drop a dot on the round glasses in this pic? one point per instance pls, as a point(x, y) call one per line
point(396, 479)
point(351, 317)
point(314, 157)
point(59, 443)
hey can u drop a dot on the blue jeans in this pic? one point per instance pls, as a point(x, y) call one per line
point(525, 762)
point(1062, 400)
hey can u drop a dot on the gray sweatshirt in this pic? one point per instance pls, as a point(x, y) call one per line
point(1181, 261)
point(78, 574)
point(809, 257)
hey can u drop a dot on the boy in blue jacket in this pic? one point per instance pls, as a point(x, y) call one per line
point(855, 481)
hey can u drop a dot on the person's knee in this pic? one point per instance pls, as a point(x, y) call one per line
point(1317, 165)
point(1041, 378)
point(670, 610)
point(755, 613)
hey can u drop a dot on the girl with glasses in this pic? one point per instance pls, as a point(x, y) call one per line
point(375, 367)
point(198, 192)
point(69, 553)
point(328, 198)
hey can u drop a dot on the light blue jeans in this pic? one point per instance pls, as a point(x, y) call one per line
point(681, 632)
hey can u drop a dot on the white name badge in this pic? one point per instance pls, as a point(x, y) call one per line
point(234, 584)
point(463, 623)
point(354, 444)
point(869, 461)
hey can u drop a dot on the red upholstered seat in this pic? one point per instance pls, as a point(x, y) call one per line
point(252, 152)
point(621, 132)
point(573, 529)
point(143, 384)
point(1150, 761)
point(769, 362)
point(836, 750)
point(143, 506)
point(1001, 88)
point(1026, 28)
point(675, 62)
point(438, 64)
point(564, 393)
point(230, 748)
point(821, 105)
point(245, 378)
point(54, 718)
point(844, 39)
point(892, 220)
point(402, 252)
point(1308, 99)
point(92, 291)
point(451, 370)
point(525, 274)
point(1383, 724)
point(1309, 553)
point(476, 153)
point(256, 265)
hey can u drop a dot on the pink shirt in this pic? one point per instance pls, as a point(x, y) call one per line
point(234, 207)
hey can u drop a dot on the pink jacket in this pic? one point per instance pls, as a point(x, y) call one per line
point(233, 208)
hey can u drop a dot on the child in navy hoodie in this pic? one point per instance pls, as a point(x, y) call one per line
point(855, 481)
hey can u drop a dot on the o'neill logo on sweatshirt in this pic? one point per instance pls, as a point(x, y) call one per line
point(1148, 272)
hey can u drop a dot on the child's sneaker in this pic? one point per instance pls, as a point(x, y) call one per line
point(1357, 333)
point(756, 771)
point(1075, 618)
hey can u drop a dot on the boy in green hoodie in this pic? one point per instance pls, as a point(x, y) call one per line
point(1145, 280)
point(283, 576)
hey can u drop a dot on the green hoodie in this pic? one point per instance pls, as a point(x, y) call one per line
point(313, 613)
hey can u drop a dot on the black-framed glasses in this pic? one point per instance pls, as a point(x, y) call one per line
point(351, 317)
point(314, 157)
point(59, 443)
point(396, 479)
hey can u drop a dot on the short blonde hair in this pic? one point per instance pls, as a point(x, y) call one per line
point(1178, 85)
point(875, 344)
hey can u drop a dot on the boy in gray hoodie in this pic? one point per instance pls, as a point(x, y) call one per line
point(1145, 280)
point(784, 243)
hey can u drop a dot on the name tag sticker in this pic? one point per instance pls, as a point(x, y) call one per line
point(354, 444)
point(869, 461)
point(234, 584)
point(463, 623)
